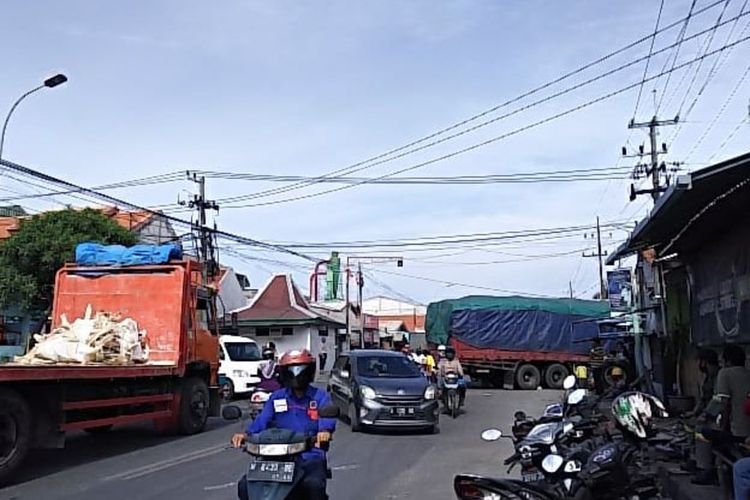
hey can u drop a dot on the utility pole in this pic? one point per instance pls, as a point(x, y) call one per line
point(599, 255)
point(206, 247)
point(360, 285)
point(653, 169)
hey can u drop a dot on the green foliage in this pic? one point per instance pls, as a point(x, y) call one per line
point(30, 258)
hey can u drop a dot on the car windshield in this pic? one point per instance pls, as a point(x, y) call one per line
point(242, 351)
point(387, 366)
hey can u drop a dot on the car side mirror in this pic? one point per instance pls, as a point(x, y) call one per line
point(569, 382)
point(329, 411)
point(231, 412)
point(344, 373)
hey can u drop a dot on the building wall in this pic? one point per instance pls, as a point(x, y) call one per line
point(231, 294)
point(304, 337)
point(383, 306)
point(157, 231)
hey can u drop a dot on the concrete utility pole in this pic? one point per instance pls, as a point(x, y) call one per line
point(206, 249)
point(654, 169)
point(599, 255)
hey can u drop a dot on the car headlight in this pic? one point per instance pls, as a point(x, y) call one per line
point(367, 392)
point(429, 393)
point(240, 373)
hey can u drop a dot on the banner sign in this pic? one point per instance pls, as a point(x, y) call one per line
point(620, 289)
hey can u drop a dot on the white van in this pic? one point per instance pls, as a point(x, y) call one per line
point(240, 358)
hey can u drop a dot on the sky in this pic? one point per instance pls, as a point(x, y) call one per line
point(306, 88)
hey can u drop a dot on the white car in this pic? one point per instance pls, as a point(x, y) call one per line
point(240, 358)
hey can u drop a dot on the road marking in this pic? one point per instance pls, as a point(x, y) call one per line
point(219, 486)
point(346, 467)
point(165, 464)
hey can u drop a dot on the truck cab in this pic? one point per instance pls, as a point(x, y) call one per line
point(240, 359)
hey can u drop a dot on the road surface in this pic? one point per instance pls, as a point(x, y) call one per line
point(137, 463)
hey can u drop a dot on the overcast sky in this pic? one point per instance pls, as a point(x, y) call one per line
point(295, 87)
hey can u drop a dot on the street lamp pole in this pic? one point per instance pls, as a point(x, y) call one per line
point(51, 82)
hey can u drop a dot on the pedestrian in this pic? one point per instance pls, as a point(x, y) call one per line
point(323, 349)
point(708, 364)
point(730, 395)
point(596, 361)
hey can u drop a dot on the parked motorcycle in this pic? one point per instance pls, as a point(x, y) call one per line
point(451, 401)
point(275, 466)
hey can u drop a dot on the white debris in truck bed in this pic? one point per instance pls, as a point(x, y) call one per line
point(103, 339)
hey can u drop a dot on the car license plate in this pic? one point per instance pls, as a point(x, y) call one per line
point(275, 472)
point(402, 412)
point(531, 476)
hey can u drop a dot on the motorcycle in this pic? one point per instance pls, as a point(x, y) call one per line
point(275, 467)
point(450, 394)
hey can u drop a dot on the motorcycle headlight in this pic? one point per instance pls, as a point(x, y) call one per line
point(240, 373)
point(552, 463)
point(295, 448)
point(274, 450)
point(429, 393)
point(253, 449)
point(367, 392)
point(572, 466)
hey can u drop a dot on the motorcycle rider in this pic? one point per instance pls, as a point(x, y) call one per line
point(268, 372)
point(451, 364)
point(295, 407)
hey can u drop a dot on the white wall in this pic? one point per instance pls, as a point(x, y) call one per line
point(231, 294)
point(386, 307)
point(304, 337)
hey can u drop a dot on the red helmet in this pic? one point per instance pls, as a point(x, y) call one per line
point(297, 369)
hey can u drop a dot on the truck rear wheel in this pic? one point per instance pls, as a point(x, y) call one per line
point(15, 432)
point(194, 405)
point(554, 375)
point(528, 377)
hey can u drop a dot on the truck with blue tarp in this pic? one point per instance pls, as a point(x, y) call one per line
point(517, 341)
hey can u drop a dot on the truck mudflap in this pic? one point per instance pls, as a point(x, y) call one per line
point(214, 406)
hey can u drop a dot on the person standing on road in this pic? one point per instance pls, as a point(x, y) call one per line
point(323, 349)
point(295, 407)
point(596, 361)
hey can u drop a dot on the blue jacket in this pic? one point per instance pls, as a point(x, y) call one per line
point(284, 410)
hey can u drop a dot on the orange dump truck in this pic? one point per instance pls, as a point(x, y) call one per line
point(176, 388)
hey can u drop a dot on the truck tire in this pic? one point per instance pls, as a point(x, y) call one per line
point(194, 406)
point(554, 375)
point(528, 377)
point(15, 432)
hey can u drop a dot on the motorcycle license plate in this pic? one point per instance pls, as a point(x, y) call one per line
point(531, 477)
point(275, 472)
point(402, 412)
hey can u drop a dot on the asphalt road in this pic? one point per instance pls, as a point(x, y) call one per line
point(137, 463)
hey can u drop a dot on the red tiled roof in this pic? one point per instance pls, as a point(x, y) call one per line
point(412, 322)
point(277, 301)
point(132, 221)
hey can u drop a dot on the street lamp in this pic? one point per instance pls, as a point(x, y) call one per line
point(50, 82)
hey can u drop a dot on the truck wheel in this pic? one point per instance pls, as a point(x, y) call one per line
point(554, 375)
point(528, 377)
point(15, 432)
point(194, 405)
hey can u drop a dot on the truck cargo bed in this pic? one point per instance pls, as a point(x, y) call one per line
point(19, 372)
point(468, 354)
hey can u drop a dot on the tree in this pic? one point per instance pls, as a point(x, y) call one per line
point(43, 243)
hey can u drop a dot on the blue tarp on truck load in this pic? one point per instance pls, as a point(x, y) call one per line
point(439, 321)
point(94, 254)
point(522, 330)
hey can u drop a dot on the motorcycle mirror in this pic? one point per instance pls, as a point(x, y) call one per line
point(576, 396)
point(519, 415)
point(329, 411)
point(569, 382)
point(231, 412)
point(344, 373)
point(552, 463)
point(492, 434)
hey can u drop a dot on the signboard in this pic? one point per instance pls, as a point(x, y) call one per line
point(371, 322)
point(620, 289)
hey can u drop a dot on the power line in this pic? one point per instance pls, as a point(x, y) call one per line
point(648, 59)
point(728, 139)
point(505, 135)
point(383, 158)
point(681, 38)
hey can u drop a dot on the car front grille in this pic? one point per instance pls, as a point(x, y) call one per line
point(392, 400)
